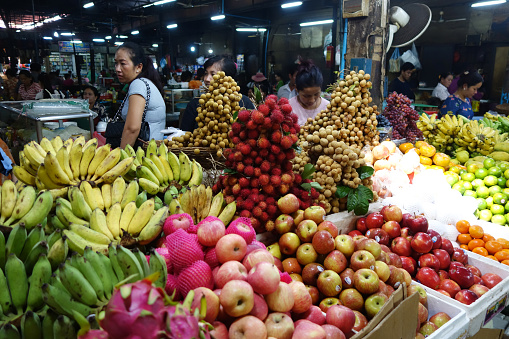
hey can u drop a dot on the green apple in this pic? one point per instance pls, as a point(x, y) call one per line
point(274, 250)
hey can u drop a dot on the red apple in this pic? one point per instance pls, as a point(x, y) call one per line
point(347, 278)
point(329, 283)
point(278, 264)
point(429, 260)
point(371, 246)
point(315, 213)
point(366, 281)
point(360, 225)
point(478, 280)
point(284, 224)
point(409, 264)
point(354, 233)
point(314, 293)
point(444, 292)
point(422, 313)
point(374, 220)
point(397, 276)
point(374, 303)
point(447, 246)
point(427, 328)
point(379, 235)
point(301, 297)
point(260, 308)
point(352, 299)
point(423, 296)
point(264, 278)
point(415, 223)
point(384, 257)
point(491, 280)
point(237, 298)
point(288, 243)
point(428, 277)
point(392, 213)
point(212, 303)
point(440, 319)
point(382, 270)
point(248, 327)
point(345, 244)
point(450, 286)
point(323, 242)
point(332, 332)
point(395, 260)
point(291, 265)
point(362, 259)
point(342, 317)
point(401, 246)
point(459, 255)
point(329, 227)
point(479, 289)
point(335, 261)
point(474, 270)
point(421, 242)
point(405, 232)
point(443, 257)
point(256, 256)
point(466, 297)
point(298, 216)
point(436, 238)
point(282, 299)
point(443, 275)
point(288, 204)
point(279, 325)
point(360, 321)
point(313, 314)
point(392, 228)
point(305, 329)
point(220, 331)
point(210, 232)
point(306, 229)
point(230, 270)
point(310, 273)
point(231, 247)
point(382, 288)
point(327, 303)
point(390, 290)
point(462, 275)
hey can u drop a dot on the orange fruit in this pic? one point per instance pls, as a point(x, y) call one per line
point(493, 247)
point(464, 239)
point(505, 262)
point(502, 255)
point(462, 226)
point(428, 150)
point(442, 159)
point(487, 237)
point(481, 251)
point(425, 160)
point(475, 243)
point(492, 257)
point(420, 143)
point(476, 231)
point(504, 242)
point(463, 246)
point(405, 147)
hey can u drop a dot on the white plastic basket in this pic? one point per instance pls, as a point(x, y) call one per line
point(456, 328)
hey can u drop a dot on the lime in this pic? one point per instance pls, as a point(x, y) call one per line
point(489, 201)
point(506, 174)
point(495, 189)
point(481, 173)
point(495, 170)
point(482, 192)
point(459, 187)
point(485, 215)
point(498, 219)
point(506, 217)
point(506, 207)
point(499, 198)
point(501, 181)
point(455, 169)
point(506, 191)
point(468, 177)
point(452, 178)
point(490, 180)
point(504, 166)
point(477, 183)
point(462, 171)
point(462, 156)
point(488, 163)
point(481, 204)
point(497, 209)
point(470, 193)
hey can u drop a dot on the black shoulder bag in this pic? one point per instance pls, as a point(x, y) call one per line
point(115, 126)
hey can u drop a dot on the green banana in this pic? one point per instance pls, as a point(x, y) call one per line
point(16, 240)
point(129, 264)
point(130, 150)
point(66, 216)
point(158, 264)
point(89, 234)
point(5, 296)
point(168, 197)
point(154, 227)
point(109, 269)
point(146, 173)
point(149, 186)
point(31, 326)
point(142, 260)
point(47, 323)
point(101, 270)
point(80, 207)
point(76, 283)
point(98, 223)
point(154, 169)
point(130, 194)
point(64, 202)
point(140, 153)
point(54, 237)
point(35, 235)
point(17, 281)
point(23, 205)
point(112, 254)
point(41, 274)
point(56, 223)
point(58, 252)
point(158, 163)
point(158, 203)
point(40, 248)
point(39, 210)
point(2, 250)
point(9, 331)
point(163, 150)
point(174, 162)
point(185, 168)
point(64, 328)
point(78, 243)
point(151, 147)
point(141, 198)
point(88, 271)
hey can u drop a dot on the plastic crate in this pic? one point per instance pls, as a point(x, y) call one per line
point(457, 327)
point(490, 304)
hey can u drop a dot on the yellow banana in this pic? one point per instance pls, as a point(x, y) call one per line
point(154, 226)
point(167, 167)
point(107, 164)
point(154, 169)
point(173, 160)
point(117, 190)
point(149, 186)
point(79, 141)
point(127, 215)
point(25, 163)
point(89, 195)
point(228, 213)
point(100, 154)
point(75, 159)
point(119, 170)
point(23, 175)
point(98, 197)
point(44, 178)
point(185, 168)
point(47, 146)
point(9, 198)
point(106, 195)
point(63, 160)
point(130, 194)
point(55, 172)
point(141, 218)
point(217, 205)
point(57, 143)
point(68, 144)
point(33, 155)
point(197, 175)
point(155, 159)
point(86, 158)
point(98, 223)
point(113, 220)
point(39, 149)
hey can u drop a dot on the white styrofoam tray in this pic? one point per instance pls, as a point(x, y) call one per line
point(457, 327)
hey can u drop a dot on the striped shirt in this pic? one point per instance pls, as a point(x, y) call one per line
point(30, 93)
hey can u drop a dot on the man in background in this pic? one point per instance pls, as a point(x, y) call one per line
point(401, 84)
point(288, 91)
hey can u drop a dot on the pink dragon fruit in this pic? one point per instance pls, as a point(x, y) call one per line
point(135, 310)
point(95, 334)
point(177, 221)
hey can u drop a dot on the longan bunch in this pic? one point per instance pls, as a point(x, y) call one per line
point(215, 116)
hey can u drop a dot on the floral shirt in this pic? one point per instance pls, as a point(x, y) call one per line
point(31, 92)
point(101, 111)
point(454, 105)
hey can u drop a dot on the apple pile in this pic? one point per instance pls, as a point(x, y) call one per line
point(425, 255)
point(425, 326)
point(260, 162)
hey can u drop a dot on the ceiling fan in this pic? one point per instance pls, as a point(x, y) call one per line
point(442, 20)
point(289, 32)
point(189, 4)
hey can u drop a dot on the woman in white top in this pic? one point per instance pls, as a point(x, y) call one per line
point(308, 102)
point(441, 91)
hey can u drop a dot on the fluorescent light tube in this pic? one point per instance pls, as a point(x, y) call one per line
point(488, 3)
point(135, 32)
point(48, 38)
point(88, 5)
point(211, 51)
point(291, 4)
point(155, 45)
point(170, 26)
point(123, 36)
point(313, 23)
point(98, 40)
point(76, 41)
point(218, 17)
point(67, 34)
point(119, 43)
point(246, 29)
point(107, 37)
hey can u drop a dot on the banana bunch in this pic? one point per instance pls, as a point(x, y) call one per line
point(157, 168)
point(476, 137)
point(495, 124)
point(198, 202)
point(46, 167)
point(503, 123)
point(33, 325)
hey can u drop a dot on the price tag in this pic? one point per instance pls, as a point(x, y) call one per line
point(495, 308)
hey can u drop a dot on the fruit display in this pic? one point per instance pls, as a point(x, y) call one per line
point(425, 255)
point(499, 122)
point(402, 117)
point(333, 141)
point(259, 165)
point(215, 116)
point(427, 323)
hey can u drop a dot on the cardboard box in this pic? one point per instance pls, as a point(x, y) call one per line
point(488, 333)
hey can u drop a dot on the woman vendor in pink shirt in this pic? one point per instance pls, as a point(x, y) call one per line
point(308, 102)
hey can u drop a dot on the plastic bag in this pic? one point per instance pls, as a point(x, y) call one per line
point(418, 63)
point(412, 57)
point(394, 61)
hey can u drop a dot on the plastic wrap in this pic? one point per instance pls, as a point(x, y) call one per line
point(55, 106)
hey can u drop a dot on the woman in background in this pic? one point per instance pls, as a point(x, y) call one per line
point(440, 90)
point(460, 102)
point(28, 88)
point(308, 101)
point(92, 95)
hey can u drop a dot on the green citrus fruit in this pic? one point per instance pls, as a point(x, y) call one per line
point(482, 192)
point(481, 173)
point(488, 163)
point(490, 180)
point(485, 215)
